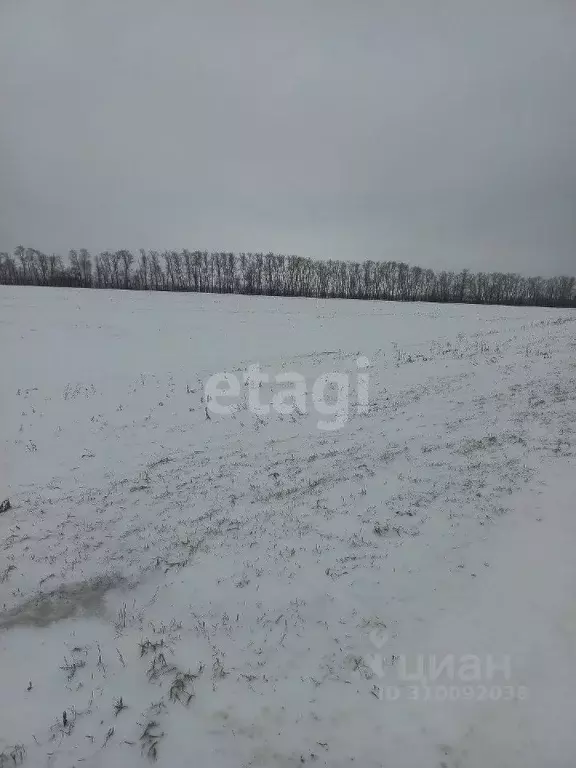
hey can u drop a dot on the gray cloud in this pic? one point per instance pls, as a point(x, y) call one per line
point(439, 133)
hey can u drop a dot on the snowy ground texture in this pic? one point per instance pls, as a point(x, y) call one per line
point(250, 591)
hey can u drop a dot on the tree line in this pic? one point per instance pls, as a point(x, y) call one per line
point(278, 275)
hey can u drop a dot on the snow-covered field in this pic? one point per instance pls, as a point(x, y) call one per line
point(250, 590)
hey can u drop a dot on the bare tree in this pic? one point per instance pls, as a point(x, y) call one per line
point(279, 275)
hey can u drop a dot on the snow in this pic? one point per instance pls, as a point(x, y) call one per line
point(263, 590)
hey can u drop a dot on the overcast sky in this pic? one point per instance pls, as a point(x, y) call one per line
point(437, 132)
